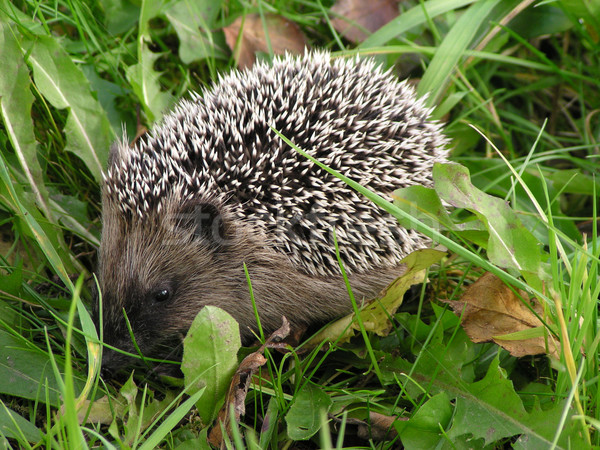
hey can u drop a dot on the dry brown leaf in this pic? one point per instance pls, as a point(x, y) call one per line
point(238, 389)
point(370, 15)
point(490, 310)
point(284, 35)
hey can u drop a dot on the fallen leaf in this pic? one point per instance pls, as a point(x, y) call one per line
point(238, 389)
point(283, 35)
point(353, 17)
point(492, 312)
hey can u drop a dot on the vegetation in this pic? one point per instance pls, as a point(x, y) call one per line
point(517, 83)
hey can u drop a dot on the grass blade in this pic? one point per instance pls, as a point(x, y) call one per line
point(415, 16)
point(452, 48)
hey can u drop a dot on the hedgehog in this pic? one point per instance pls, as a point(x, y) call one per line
point(213, 188)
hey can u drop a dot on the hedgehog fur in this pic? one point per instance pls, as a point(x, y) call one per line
point(218, 150)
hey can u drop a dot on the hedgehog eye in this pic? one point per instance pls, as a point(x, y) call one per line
point(162, 295)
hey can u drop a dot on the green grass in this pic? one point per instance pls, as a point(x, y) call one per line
point(521, 102)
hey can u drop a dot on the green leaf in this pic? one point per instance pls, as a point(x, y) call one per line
point(15, 107)
point(192, 22)
point(572, 181)
point(441, 367)
point(510, 244)
point(210, 358)
point(197, 443)
point(303, 418)
point(541, 20)
point(12, 425)
point(109, 95)
point(270, 423)
point(129, 392)
point(73, 214)
point(87, 130)
point(26, 372)
point(423, 204)
point(11, 13)
point(121, 15)
point(424, 428)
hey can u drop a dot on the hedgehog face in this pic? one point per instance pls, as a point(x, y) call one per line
point(157, 274)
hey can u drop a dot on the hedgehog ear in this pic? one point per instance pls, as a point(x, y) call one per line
point(206, 222)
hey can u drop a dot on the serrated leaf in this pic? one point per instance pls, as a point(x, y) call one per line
point(510, 244)
point(129, 393)
point(497, 410)
point(303, 419)
point(16, 100)
point(488, 409)
point(146, 85)
point(62, 83)
point(144, 80)
point(210, 358)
